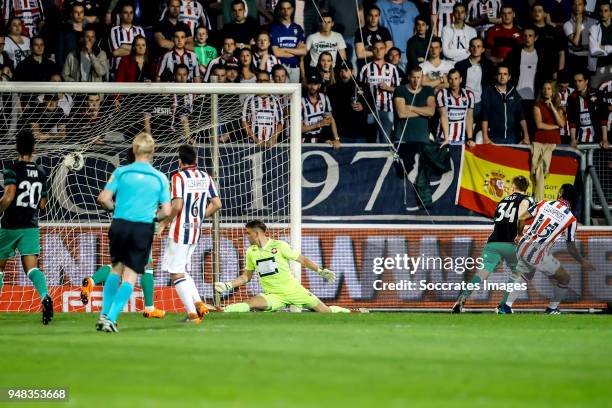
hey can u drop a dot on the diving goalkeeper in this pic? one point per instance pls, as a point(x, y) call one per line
point(270, 259)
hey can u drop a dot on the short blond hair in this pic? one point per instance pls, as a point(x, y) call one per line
point(143, 144)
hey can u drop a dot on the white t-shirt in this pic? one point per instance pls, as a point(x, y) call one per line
point(317, 43)
point(17, 52)
point(529, 63)
point(473, 81)
point(434, 72)
point(456, 42)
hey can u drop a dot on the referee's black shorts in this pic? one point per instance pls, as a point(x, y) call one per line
point(130, 243)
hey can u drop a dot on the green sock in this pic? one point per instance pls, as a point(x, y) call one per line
point(338, 309)
point(475, 279)
point(101, 274)
point(147, 284)
point(237, 308)
point(512, 280)
point(39, 281)
point(1, 282)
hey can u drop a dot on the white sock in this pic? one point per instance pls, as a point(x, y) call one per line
point(184, 291)
point(515, 293)
point(149, 308)
point(194, 289)
point(559, 292)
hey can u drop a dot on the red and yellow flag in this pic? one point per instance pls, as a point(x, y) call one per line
point(487, 171)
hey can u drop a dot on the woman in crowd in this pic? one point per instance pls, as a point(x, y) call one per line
point(325, 66)
point(247, 69)
point(136, 68)
point(17, 45)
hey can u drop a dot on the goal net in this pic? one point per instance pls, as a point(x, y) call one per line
point(84, 132)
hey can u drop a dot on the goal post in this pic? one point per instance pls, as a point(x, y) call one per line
point(214, 112)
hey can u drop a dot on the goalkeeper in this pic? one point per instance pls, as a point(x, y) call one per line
point(270, 259)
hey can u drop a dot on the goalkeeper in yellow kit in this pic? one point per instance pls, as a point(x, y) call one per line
point(270, 259)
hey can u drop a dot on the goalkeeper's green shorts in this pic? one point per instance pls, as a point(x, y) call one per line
point(495, 252)
point(297, 296)
point(25, 240)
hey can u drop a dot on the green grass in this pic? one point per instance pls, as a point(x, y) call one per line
point(310, 360)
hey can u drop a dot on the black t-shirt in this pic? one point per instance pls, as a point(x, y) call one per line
point(549, 44)
point(47, 120)
point(506, 216)
point(242, 33)
point(167, 29)
point(370, 37)
point(31, 186)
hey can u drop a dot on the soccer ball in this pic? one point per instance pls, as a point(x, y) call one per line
point(74, 161)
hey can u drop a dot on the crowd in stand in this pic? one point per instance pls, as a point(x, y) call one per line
point(480, 71)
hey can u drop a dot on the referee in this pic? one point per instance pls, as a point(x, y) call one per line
point(139, 190)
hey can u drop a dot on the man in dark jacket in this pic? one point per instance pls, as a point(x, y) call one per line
point(502, 113)
point(477, 72)
point(349, 106)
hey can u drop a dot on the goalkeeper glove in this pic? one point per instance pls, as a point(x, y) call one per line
point(328, 275)
point(223, 286)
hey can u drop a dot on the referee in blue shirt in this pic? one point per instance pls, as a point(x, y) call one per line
point(139, 191)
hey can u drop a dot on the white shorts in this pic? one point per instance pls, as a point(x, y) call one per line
point(548, 265)
point(177, 257)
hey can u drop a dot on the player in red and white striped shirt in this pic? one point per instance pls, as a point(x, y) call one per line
point(194, 199)
point(179, 55)
point(262, 115)
point(456, 109)
point(191, 13)
point(122, 36)
point(551, 222)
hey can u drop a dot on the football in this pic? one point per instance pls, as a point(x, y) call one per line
point(74, 161)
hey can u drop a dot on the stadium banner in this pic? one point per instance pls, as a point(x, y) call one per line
point(487, 172)
point(377, 266)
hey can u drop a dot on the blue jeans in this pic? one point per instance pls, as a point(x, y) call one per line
point(385, 126)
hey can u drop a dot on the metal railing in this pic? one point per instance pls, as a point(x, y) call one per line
point(596, 167)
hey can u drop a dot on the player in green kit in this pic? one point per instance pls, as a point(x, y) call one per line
point(25, 192)
point(270, 259)
point(500, 246)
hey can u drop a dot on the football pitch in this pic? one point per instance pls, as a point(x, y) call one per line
point(309, 360)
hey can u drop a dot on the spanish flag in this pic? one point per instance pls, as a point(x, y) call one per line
point(487, 171)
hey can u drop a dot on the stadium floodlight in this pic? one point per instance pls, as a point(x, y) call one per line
point(84, 131)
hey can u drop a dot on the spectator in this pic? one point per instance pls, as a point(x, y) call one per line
point(203, 51)
point(558, 11)
point(564, 90)
point(243, 28)
point(89, 64)
point(311, 14)
point(326, 40)
point(606, 91)
point(225, 7)
point(46, 119)
point(478, 73)
point(122, 36)
point(435, 68)
point(414, 105)
point(288, 40)
point(526, 67)
point(549, 120)
point(232, 72)
point(191, 13)
point(483, 14)
point(29, 12)
point(382, 78)
point(262, 115)
point(366, 36)
point(398, 17)
point(17, 45)
point(247, 68)
point(550, 43)
point(442, 15)
point(587, 114)
point(502, 113)
point(163, 33)
point(394, 57)
point(263, 57)
point(348, 21)
point(266, 11)
point(325, 68)
point(456, 36)
point(600, 45)
point(349, 106)
point(502, 38)
point(279, 74)
point(5, 59)
point(70, 35)
point(137, 67)
point(577, 32)
point(227, 55)
point(64, 100)
point(179, 55)
point(417, 44)
point(218, 74)
point(317, 119)
point(36, 67)
point(456, 109)
point(91, 10)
